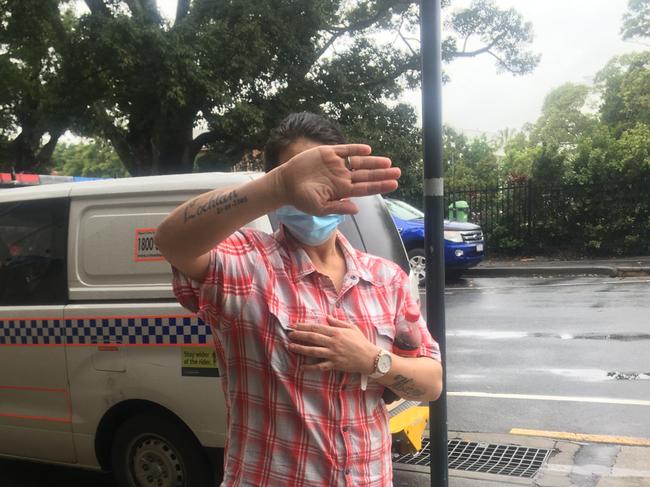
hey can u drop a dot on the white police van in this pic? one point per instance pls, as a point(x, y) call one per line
point(100, 367)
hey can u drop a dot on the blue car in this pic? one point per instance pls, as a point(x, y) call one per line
point(464, 243)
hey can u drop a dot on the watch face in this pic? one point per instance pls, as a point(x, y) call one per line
point(384, 363)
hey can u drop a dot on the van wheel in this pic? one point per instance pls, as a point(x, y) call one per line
point(417, 261)
point(154, 451)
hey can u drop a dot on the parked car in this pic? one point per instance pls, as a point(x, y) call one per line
point(464, 242)
point(100, 367)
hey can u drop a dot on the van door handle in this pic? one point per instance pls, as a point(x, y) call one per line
point(111, 341)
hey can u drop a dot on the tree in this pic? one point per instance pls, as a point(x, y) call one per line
point(500, 33)
point(544, 151)
point(34, 108)
point(517, 164)
point(90, 159)
point(242, 65)
point(481, 155)
point(468, 163)
point(625, 86)
point(564, 117)
point(122, 72)
point(636, 21)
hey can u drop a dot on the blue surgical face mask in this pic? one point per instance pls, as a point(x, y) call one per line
point(309, 229)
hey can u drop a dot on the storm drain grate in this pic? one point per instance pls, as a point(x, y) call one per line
point(510, 460)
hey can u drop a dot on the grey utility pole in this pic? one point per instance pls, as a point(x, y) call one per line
point(430, 27)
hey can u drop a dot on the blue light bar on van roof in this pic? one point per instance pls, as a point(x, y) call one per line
point(78, 179)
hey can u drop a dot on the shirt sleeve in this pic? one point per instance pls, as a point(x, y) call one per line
point(230, 272)
point(428, 347)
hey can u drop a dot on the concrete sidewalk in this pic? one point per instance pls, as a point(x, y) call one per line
point(571, 463)
point(542, 266)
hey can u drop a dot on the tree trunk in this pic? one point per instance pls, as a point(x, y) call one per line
point(26, 154)
point(174, 151)
point(156, 148)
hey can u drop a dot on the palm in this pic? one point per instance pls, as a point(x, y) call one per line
point(317, 180)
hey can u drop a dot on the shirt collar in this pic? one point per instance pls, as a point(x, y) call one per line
point(301, 265)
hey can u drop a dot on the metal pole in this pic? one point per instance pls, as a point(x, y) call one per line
point(430, 27)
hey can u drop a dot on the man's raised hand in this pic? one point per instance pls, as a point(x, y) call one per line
point(318, 182)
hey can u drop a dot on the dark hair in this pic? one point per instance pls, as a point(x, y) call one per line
point(303, 125)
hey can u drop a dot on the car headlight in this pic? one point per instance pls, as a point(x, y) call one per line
point(453, 236)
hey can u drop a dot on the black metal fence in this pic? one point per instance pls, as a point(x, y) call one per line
point(611, 218)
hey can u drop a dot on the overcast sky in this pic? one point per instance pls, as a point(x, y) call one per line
point(575, 38)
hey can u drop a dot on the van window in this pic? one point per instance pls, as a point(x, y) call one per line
point(32, 252)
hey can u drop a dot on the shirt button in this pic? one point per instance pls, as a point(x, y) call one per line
point(338, 305)
point(345, 429)
point(347, 471)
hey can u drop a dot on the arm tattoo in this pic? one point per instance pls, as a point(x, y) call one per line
point(218, 203)
point(406, 385)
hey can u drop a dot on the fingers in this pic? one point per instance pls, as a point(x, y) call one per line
point(314, 328)
point(351, 150)
point(366, 182)
point(323, 366)
point(308, 338)
point(380, 187)
point(365, 175)
point(339, 323)
point(318, 352)
point(369, 162)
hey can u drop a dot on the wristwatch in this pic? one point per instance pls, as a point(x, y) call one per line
point(383, 363)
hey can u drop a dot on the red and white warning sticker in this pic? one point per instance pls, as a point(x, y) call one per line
point(145, 247)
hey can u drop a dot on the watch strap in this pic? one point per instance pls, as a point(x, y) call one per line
point(376, 374)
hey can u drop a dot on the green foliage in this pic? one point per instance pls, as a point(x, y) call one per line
point(468, 162)
point(89, 159)
point(585, 174)
point(517, 164)
point(481, 157)
point(549, 166)
point(123, 73)
point(33, 90)
point(501, 239)
point(636, 21)
point(625, 86)
point(144, 82)
point(501, 33)
point(563, 117)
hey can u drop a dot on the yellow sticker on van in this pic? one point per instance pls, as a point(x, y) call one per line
point(199, 362)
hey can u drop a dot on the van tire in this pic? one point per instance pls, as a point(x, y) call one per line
point(149, 450)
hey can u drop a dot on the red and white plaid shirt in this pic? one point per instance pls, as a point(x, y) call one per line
point(287, 427)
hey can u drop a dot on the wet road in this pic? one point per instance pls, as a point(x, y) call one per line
point(567, 354)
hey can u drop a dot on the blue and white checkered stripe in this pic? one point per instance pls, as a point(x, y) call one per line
point(31, 332)
point(94, 331)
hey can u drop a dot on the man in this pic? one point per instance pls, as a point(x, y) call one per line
point(304, 324)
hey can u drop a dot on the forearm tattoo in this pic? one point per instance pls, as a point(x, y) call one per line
point(406, 386)
point(217, 203)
